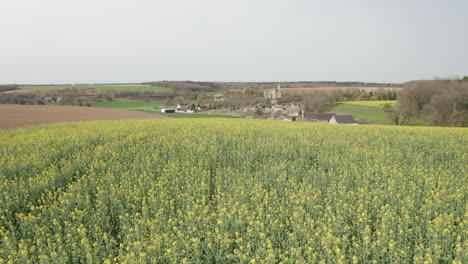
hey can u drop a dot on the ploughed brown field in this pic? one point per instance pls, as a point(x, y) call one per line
point(16, 116)
point(312, 90)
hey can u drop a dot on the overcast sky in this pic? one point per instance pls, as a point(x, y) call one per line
point(89, 41)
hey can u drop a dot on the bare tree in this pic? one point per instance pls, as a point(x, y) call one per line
point(437, 102)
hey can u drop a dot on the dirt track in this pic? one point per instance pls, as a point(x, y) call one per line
point(16, 116)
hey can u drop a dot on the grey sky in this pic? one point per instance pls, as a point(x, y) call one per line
point(64, 41)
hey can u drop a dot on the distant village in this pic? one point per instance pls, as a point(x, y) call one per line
point(271, 110)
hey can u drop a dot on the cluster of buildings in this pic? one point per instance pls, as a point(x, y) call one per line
point(290, 112)
point(186, 108)
point(275, 110)
point(294, 112)
point(330, 118)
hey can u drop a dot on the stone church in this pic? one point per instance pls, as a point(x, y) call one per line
point(272, 94)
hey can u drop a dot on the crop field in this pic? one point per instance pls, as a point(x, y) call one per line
point(125, 104)
point(100, 87)
point(147, 107)
point(233, 191)
point(133, 105)
point(188, 115)
point(15, 116)
point(364, 111)
point(379, 104)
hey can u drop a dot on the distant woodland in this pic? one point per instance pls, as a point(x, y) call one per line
point(8, 87)
point(432, 102)
point(222, 86)
point(436, 102)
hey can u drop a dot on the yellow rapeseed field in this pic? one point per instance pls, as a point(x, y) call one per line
point(233, 191)
point(371, 103)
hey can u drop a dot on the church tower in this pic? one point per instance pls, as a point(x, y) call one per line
point(278, 91)
point(273, 93)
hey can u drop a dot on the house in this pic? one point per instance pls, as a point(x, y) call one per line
point(274, 93)
point(48, 100)
point(182, 107)
point(219, 97)
point(277, 108)
point(168, 110)
point(293, 109)
point(281, 118)
point(249, 108)
point(330, 118)
point(343, 119)
point(318, 117)
point(203, 107)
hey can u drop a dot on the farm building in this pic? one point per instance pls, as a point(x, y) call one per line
point(318, 117)
point(249, 108)
point(168, 110)
point(343, 119)
point(281, 118)
point(202, 107)
point(182, 107)
point(293, 109)
point(276, 108)
point(330, 118)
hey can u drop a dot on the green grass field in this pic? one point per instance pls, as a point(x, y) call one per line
point(363, 111)
point(129, 104)
point(148, 108)
point(134, 105)
point(379, 104)
point(187, 115)
point(211, 93)
point(104, 88)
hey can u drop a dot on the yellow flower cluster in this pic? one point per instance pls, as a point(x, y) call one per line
point(233, 191)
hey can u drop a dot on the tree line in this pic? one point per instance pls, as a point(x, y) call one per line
point(435, 102)
point(315, 101)
point(223, 86)
point(8, 87)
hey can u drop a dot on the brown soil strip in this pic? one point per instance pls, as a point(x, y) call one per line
point(16, 116)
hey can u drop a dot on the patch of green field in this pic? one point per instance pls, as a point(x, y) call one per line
point(103, 88)
point(363, 112)
point(371, 103)
point(211, 93)
point(148, 108)
point(124, 104)
point(128, 104)
point(186, 115)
